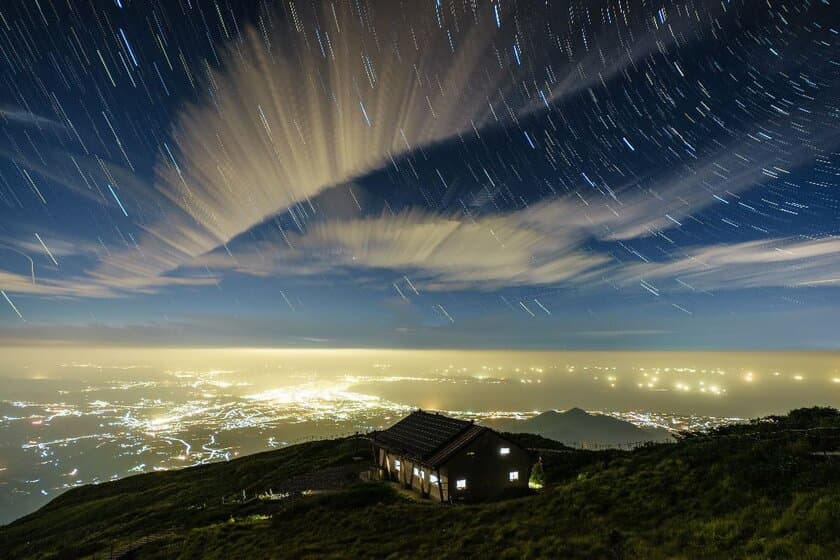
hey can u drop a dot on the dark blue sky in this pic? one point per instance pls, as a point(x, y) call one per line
point(426, 174)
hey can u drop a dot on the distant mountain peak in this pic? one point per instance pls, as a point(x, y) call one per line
point(575, 411)
point(575, 426)
point(570, 412)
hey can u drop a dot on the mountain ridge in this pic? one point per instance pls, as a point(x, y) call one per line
point(580, 428)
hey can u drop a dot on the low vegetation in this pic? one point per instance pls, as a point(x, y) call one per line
point(768, 489)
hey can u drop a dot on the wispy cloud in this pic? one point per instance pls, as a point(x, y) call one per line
point(755, 264)
point(444, 253)
point(297, 107)
point(27, 118)
point(544, 244)
point(599, 50)
point(488, 253)
point(38, 265)
point(87, 287)
point(299, 110)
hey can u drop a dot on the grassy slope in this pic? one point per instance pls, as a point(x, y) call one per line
point(90, 518)
point(753, 491)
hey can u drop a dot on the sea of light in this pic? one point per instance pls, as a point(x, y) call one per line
point(71, 416)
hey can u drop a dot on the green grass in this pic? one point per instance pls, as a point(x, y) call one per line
point(751, 491)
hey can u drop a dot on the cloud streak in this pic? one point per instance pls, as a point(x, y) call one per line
point(27, 118)
point(784, 262)
point(301, 107)
point(541, 245)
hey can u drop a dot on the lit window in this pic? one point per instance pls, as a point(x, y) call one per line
point(461, 484)
point(423, 475)
point(433, 479)
point(504, 451)
point(416, 471)
point(396, 464)
point(513, 475)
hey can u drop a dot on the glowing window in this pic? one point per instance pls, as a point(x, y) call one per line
point(423, 475)
point(433, 479)
point(513, 475)
point(461, 484)
point(416, 471)
point(396, 464)
point(504, 451)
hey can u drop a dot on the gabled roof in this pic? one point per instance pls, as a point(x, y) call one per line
point(430, 438)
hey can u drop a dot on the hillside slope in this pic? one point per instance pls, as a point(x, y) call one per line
point(770, 489)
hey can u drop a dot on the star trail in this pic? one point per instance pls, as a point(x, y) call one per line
point(438, 173)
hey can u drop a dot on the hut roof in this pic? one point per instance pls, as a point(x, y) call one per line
point(431, 438)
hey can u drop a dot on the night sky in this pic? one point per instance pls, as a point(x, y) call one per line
point(419, 173)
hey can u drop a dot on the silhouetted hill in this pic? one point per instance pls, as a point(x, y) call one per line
point(578, 428)
point(768, 489)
